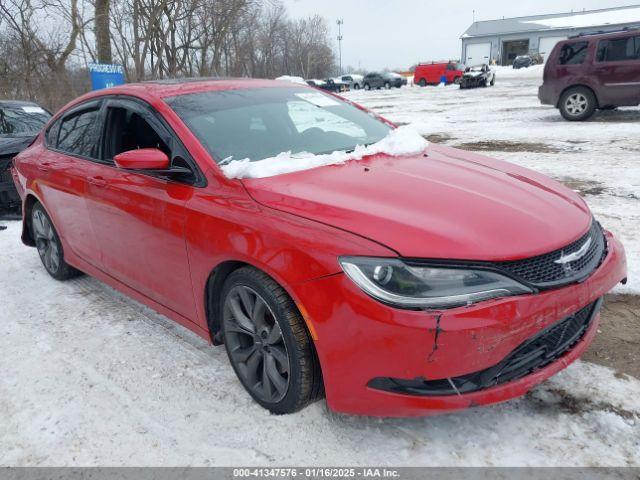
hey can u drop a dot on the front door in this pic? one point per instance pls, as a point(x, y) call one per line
point(139, 217)
point(617, 69)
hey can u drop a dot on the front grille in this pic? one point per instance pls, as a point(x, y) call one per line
point(534, 354)
point(543, 271)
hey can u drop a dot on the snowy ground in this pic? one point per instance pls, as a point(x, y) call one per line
point(600, 157)
point(90, 377)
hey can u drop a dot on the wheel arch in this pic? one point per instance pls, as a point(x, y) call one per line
point(27, 236)
point(213, 291)
point(578, 85)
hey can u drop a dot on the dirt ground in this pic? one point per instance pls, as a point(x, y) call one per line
point(617, 344)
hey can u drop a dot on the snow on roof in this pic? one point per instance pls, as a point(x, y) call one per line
point(629, 15)
point(592, 19)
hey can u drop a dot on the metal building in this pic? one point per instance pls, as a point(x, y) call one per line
point(502, 40)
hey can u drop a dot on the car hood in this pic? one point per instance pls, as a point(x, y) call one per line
point(445, 204)
point(13, 145)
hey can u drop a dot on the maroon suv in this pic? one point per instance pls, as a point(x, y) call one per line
point(589, 72)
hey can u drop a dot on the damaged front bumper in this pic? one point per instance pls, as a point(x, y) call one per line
point(382, 361)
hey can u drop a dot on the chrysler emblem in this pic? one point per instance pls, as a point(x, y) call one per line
point(564, 260)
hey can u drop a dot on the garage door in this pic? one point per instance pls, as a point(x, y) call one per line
point(478, 53)
point(547, 44)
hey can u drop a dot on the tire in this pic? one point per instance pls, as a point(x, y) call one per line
point(577, 104)
point(49, 246)
point(422, 82)
point(493, 81)
point(457, 80)
point(356, 86)
point(367, 87)
point(269, 349)
point(387, 86)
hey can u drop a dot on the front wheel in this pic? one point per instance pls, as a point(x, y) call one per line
point(268, 344)
point(387, 86)
point(577, 104)
point(367, 86)
point(356, 86)
point(457, 80)
point(49, 246)
point(422, 82)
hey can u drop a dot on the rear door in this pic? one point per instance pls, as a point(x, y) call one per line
point(64, 168)
point(138, 216)
point(617, 69)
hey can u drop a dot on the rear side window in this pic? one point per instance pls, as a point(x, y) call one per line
point(619, 49)
point(573, 53)
point(78, 133)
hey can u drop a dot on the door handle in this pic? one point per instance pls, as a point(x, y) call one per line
point(97, 181)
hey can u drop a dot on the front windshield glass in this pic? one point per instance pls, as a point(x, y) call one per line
point(22, 120)
point(261, 123)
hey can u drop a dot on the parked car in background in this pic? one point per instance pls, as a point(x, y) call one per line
point(373, 80)
point(478, 76)
point(525, 61)
point(20, 122)
point(334, 279)
point(590, 72)
point(434, 73)
point(355, 81)
point(330, 85)
point(314, 82)
point(393, 80)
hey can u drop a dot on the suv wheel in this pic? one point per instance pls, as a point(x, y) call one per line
point(367, 86)
point(49, 245)
point(577, 103)
point(268, 344)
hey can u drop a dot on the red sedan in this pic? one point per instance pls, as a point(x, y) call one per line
point(396, 280)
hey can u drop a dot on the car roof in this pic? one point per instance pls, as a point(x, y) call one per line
point(598, 35)
point(183, 86)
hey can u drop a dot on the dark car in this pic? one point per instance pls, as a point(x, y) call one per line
point(385, 80)
point(478, 76)
point(590, 72)
point(525, 61)
point(19, 124)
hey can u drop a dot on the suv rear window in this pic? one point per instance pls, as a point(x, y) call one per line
point(619, 49)
point(573, 53)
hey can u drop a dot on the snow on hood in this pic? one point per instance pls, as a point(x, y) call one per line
point(401, 141)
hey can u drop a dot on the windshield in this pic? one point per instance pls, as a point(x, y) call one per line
point(261, 123)
point(22, 120)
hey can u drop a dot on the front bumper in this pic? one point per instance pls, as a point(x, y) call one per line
point(359, 339)
point(9, 198)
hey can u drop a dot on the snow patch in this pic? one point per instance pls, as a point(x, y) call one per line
point(593, 19)
point(288, 78)
point(400, 141)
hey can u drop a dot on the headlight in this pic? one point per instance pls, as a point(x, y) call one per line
point(402, 285)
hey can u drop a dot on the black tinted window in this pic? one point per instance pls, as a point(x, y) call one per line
point(77, 133)
point(619, 50)
point(573, 53)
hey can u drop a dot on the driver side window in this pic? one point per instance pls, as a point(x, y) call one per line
point(129, 130)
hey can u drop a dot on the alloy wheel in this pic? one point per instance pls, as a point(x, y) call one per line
point(256, 345)
point(576, 104)
point(46, 241)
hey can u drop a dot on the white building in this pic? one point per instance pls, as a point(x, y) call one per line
point(502, 40)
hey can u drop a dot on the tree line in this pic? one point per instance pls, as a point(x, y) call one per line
point(46, 45)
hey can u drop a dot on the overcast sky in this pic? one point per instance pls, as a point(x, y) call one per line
point(400, 33)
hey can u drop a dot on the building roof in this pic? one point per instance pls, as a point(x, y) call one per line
point(618, 16)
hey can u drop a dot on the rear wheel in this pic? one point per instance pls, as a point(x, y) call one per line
point(387, 85)
point(356, 86)
point(422, 82)
point(268, 344)
point(367, 86)
point(49, 245)
point(577, 104)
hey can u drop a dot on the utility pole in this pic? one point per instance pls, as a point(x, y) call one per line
point(340, 22)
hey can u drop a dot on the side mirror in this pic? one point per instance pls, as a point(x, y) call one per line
point(142, 159)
